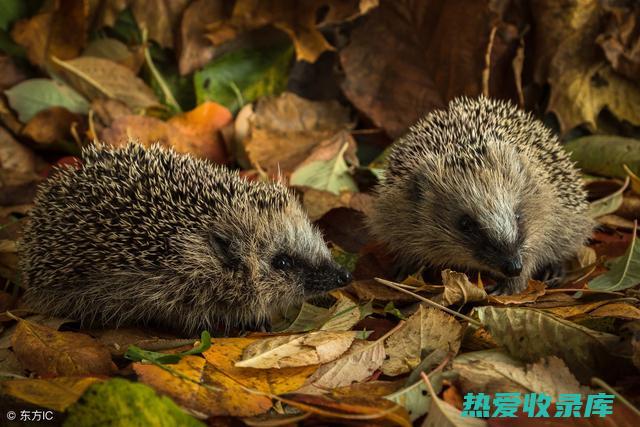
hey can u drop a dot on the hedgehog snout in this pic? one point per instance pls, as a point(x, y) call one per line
point(326, 277)
point(512, 267)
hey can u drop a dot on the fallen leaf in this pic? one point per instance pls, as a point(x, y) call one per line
point(52, 125)
point(535, 289)
point(492, 371)
point(32, 96)
point(53, 393)
point(60, 30)
point(284, 130)
point(623, 273)
point(241, 76)
point(458, 289)
point(317, 203)
point(568, 311)
point(121, 402)
point(10, 365)
point(357, 364)
point(201, 126)
point(298, 20)
point(619, 45)
point(530, 335)
point(609, 203)
point(618, 310)
point(442, 414)
point(17, 162)
point(100, 78)
point(46, 351)
point(415, 398)
point(373, 409)
point(605, 154)
point(296, 350)
point(428, 329)
point(582, 85)
point(195, 49)
point(407, 58)
point(10, 73)
point(116, 51)
point(326, 169)
point(344, 227)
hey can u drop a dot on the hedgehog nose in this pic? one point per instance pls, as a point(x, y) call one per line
point(344, 276)
point(512, 267)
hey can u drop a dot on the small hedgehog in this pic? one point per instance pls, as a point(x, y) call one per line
point(150, 236)
point(482, 186)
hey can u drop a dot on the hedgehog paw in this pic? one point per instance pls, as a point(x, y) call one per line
point(552, 274)
point(509, 286)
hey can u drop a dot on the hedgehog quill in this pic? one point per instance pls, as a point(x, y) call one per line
point(482, 186)
point(150, 236)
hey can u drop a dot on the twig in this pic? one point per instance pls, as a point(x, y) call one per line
point(600, 383)
point(428, 301)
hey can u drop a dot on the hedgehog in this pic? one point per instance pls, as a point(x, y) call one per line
point(482, 186)
point(150, 236)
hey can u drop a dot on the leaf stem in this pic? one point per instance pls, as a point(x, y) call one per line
point(395, 286)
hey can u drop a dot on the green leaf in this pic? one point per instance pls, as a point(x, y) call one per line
point(327, 175)
point(391, 309)
point(415, 397)
point(10, 11)
point(605, 154)
point(244, 75)
point(530, 334)
point(119, 402)
point(346, 259)
point(624, 272)
point(608, 204)
point(32, 96)
point(138, 355)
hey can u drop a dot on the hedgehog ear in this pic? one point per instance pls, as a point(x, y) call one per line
point(224, 249)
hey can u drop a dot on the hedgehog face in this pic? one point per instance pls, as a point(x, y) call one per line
point(479, 212)
point(279, 257)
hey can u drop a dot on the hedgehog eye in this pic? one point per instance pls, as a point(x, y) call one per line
point(282, 262)
point(466, 223)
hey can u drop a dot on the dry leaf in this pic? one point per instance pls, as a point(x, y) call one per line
point(317, 202)
point(46, 351)
point(53, 125)
point(297, 19)
point(458, 289)
point(200, 127)
point(284, 130)
point(619, 41)
point(54, 393)
point(101, 78)
point(407, 58)
point(296, 350)
point(492, 371)
point(357, 364)
point(17, 162)
point(534, 290)
point(59, 30)
point(10, 74)
point(428, 329)
point(195, 48)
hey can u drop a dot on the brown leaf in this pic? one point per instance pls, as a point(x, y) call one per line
point(158, 17)
point(10, 74)
point(195, 48)
point(59, 30)
point(458, 289)
point(534, 290)
point(428, 329)
point(17, 163)
point(53, 125)
point(582, 85)
point(297, 19)
point(317, 203)
point(102, 78)
point(116, 51)
point(620, 41)
point(46, 351)
point(284, 130)
point(407, 58)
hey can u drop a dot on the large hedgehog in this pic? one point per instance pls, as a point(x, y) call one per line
point(482, 186)
point(150, 236)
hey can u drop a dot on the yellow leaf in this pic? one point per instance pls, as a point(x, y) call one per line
point(55, 393)
point(48, 352)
